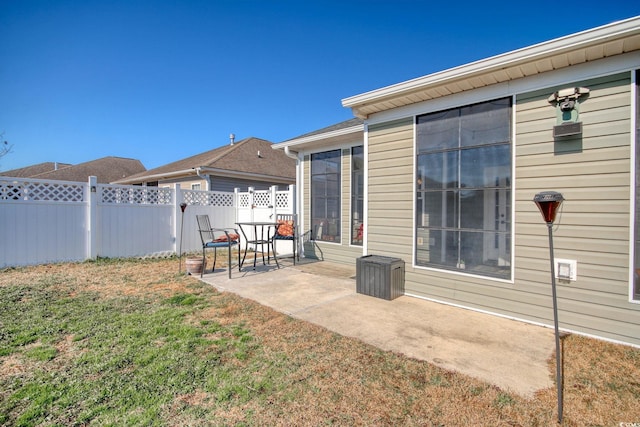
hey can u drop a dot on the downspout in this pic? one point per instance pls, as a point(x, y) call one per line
point(203, 177)
point(298, 196)
point(296, 156)
point(291, 154)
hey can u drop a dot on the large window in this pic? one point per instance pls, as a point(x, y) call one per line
point(325, 195)
point(463, 189)
point(357, 195)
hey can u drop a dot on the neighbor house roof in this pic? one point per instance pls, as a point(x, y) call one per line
point(587, 46)
point(250, 158)
point(34, 170)
point(338, 133)
point(105, 169)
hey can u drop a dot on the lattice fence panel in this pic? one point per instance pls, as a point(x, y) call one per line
point(244, 200)
point(160, 196)
point(282, 199)
point(262, 198)
point(136, 195)
point(208, 198)
point(26, 190)
point(222, 199)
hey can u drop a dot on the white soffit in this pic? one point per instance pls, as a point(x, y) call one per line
point(590, 45)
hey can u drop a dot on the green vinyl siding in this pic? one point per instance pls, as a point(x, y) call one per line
point(390, 189)
point(592, 171)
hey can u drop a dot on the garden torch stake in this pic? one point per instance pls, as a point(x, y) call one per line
point(548, 202)
point(559, 381)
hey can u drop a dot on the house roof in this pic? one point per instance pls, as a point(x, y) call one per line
point(34, 170)
point(338, 133)
point(105, 169)
point(587, 46)
point(238, 160)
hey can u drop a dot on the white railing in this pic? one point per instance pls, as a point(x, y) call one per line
point(57, 221)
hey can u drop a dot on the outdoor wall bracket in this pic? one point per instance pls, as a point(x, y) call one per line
point(567, 104)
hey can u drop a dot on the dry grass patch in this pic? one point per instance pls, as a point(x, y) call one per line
point(256, 366)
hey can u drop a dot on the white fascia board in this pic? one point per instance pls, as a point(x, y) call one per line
point(528, 54)
point(319, 137)
point(243, 175)
point(569, 75)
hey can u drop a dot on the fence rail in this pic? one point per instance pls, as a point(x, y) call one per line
point(57, 221)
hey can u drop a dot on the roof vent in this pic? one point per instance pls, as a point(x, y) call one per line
point(232, 138)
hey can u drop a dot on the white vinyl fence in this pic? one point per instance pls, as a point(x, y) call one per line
point(56, 221)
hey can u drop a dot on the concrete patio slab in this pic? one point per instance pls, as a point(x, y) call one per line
point(509, 354)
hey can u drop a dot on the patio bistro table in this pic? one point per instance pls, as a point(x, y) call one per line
point(262, 235)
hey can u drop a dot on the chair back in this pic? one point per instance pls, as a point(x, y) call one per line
point(289, 225)
point(204, 227)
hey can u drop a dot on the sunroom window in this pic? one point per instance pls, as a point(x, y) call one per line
point(325, 195)
point(463, 189)
point(357, 195)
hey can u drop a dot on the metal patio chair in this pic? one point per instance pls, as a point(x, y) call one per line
point(216, 238)
point(287, 231)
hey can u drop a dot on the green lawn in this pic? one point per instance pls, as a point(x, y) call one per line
point(120, 342)
point(131, 356)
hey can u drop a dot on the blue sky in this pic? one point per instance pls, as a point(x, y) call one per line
point(162, 80)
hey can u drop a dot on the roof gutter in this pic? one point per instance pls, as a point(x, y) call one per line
point(155, 177)
point(240, 174)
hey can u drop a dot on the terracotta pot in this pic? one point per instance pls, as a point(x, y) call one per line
point(195, 265)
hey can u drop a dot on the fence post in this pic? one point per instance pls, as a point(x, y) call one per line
point(293, 199)
point(273, 199)
point(236, 203)
point(92, 215)
point(252, 203)
point(177, 198)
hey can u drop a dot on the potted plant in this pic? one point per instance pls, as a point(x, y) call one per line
point(195, 265)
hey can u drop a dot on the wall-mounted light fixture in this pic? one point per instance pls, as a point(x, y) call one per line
point(567, 103)
point(549, 202)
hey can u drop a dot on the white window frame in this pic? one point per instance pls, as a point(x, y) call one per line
point(512, 190)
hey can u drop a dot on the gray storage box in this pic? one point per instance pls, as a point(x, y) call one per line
point(380, 276)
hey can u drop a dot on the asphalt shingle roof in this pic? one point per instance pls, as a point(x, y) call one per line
point(239, 157)
point(33, 170)
point(106, 169)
